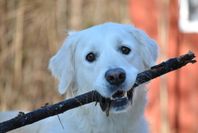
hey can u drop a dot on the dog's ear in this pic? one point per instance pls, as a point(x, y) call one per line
point(62, 64)
point(149, 48)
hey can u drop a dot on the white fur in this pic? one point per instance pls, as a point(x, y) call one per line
point(77, 76)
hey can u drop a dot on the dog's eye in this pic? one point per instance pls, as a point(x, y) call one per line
point(91, 57)
point(125, 50)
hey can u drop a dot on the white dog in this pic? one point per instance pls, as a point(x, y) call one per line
point(105, 58)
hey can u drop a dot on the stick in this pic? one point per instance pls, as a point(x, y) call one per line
point(93, 96)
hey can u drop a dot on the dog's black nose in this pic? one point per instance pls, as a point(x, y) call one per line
point(115, 76)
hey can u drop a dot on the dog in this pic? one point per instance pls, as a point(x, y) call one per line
point(105, 58)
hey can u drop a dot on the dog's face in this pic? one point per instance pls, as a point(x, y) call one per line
point(105, 58)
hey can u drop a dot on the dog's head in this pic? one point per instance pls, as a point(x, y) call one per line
point(105, 58)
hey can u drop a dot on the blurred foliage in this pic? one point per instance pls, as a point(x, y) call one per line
point(31, 31)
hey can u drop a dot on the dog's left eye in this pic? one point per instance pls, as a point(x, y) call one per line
point(125, 50)
point(90, 57)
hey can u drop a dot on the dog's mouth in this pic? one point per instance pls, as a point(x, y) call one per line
point(118, 102)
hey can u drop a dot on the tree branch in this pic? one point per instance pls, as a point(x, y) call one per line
point(50, 110)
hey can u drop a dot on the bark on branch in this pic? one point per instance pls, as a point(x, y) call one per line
point(50, 110)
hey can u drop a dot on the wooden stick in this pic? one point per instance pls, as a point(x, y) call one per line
point(93, 96)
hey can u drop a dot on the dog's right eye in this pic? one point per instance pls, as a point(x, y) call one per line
point(90, 57)
point(125, 50)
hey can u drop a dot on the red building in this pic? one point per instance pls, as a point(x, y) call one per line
point(173, 99)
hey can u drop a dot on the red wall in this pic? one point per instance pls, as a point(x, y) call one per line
point(182, 85)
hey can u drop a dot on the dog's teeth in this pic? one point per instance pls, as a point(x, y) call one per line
point(125, 94)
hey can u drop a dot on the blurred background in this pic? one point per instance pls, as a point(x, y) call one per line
point(32, 31)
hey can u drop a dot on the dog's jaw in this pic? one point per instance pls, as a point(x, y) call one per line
point(119, 102)
point(120, 105)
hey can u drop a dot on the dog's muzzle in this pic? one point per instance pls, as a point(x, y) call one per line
point(120, 98)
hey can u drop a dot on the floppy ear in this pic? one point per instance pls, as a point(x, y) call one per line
point(149, 48)
point(62, 64)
